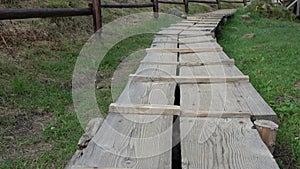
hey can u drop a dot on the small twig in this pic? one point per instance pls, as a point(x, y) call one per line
point(4, 41)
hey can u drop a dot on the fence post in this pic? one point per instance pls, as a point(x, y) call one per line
point(186, 6)
point(155, 8)
point(97, 17)
point(219, 4)
point(298, 8)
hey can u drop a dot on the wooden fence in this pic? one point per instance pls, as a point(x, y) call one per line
point(95, 8)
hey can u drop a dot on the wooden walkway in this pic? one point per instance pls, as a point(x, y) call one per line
point(187, 91)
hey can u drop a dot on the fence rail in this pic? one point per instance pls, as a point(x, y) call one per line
point(94, 9)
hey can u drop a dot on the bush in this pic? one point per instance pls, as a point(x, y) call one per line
point(270, 10)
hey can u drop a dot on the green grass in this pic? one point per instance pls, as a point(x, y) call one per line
point(272, 60)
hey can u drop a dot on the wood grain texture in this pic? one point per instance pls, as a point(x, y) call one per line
point(188, 79)
point(257, 105)
point(163, 45)
point(131, 141)
point(208, 28)
point(160, 57)
point(196, 39)
point(156, 70)
point(199, 45)
point(148, 93)
point(211, 70)
point(203, 57)
point(225, 98)
point(184, 50)
point(210, 143)
point(218, 100)
point(201, 63)
point(155, 109)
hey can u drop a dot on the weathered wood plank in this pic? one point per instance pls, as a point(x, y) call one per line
point(184, 50)
point(163, 45)
point(195, 39)
point(155, 109)
point(130, 141)
point(200, 45)
point(199, 23)
point(160, 57)
point(188, 79)
point(156, 70)
point(224, 98)
point(257, 105)
point(215, 114)
point(210, 143)
point(148, 93)
point(211, 71)
point(189, 34)
point(207, 28)
point(218, 100)
point(203, 57)
point(201, 63)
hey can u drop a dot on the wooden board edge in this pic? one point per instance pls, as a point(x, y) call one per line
point(144, 109)
point(217, 114)
point(189, 79)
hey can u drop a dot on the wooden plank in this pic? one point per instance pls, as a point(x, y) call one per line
point(217, 62)
point(203, 57)
point(154, 109)
point(160, 57)
point(190, 34)
point(199, 45)
point(148, 93)
point(188, 79)
point(217, 100)
point(195, 25)
point(184, 50)
point(163, 45)
point(257, 105)
point(224, 98)
point(168, 32)
point(216, 114)
point(191, 24)
point(130, 141)
point(165, 39)
point(156, 70)
point(195, 39)
point(189, 42)
point(211, 71)
point(210, 143)
point(190, 28)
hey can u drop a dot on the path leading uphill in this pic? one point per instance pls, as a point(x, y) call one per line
point(186, 92)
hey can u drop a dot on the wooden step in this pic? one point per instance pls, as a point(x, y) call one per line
point(225, 98)
point(210, 143)
point(130, 141)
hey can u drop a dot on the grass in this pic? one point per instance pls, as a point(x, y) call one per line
point(271, 59)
